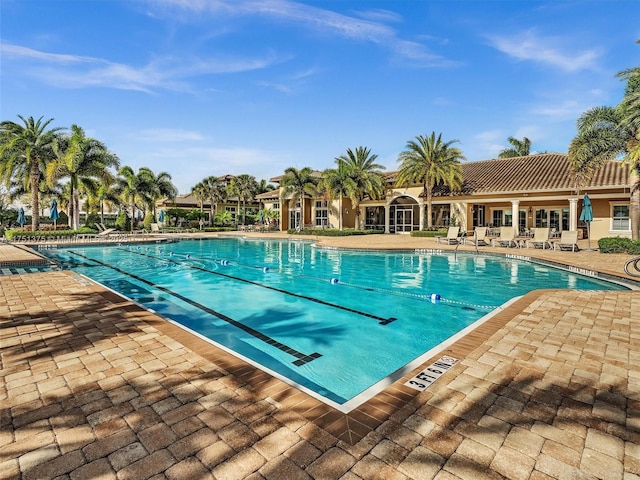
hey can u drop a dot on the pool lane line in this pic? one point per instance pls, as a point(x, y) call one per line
point(381, 320)
point(302, 358)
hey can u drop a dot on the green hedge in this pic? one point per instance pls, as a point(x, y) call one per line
point(440, 232)
point(334, 232)
point(619, 245)
point(219, 229)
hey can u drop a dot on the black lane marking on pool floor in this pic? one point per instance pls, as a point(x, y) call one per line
point(381, 320)
point(302, 358)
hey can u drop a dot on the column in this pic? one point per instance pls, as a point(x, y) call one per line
point(515, 215)
point(573, 214)
point(387, 207)
point(421, 213)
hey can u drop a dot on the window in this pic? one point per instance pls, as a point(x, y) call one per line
point(276, 206)
point(322, 213)
point(542, 218)
point(502, 218)
point(232, 211)
point(620, 218)
point(497, 218)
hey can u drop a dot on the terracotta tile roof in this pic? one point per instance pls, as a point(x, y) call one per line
point(534, 173)
point(271, 195)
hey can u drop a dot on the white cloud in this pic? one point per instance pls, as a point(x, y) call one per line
point(560, 110)
point(528, 45)
point(367, 29)
point(161, 73)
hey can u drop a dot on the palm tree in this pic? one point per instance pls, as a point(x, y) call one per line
point(107, 194)
point(296, 183)
point(519, 148)
point(25, 151)
point(161, 187)
point(606, 133)
point(200, 194)
point(84, 160)
point(244, 188)
point(364, 175)
point(336, 183)
point(215, 191)
point(136, 189)
point(430, 161)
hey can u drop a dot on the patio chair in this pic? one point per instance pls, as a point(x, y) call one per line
point(540, 239)
point(479, 237)
point(568, 241)
point(155, 228)
point(451, 238)
point(506, 238)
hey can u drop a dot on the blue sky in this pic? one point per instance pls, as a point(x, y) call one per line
point(211, 87)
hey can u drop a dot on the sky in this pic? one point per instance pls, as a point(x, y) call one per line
point(213, 87)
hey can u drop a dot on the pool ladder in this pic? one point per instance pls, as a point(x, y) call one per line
point(633, 263)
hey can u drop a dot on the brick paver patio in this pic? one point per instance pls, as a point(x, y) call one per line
point(95, 387)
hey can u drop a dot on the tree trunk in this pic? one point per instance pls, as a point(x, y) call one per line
point(429, 208)
point(35, 195)
point(76, 210)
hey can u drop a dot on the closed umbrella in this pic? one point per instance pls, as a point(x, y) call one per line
point(586, 216)
point(161, 216)
point(21, 218)
point(53, 213)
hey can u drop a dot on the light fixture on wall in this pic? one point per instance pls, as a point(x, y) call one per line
point(530, 210)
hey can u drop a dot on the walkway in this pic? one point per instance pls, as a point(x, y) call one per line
point(95, 387)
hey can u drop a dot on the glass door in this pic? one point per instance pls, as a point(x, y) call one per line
point(404, 219)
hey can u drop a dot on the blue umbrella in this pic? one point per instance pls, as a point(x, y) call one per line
point(161, 216)
point(53, 214)
point(21, 218)
point(586, 216)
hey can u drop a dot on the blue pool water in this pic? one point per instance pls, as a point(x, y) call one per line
point(334, 322)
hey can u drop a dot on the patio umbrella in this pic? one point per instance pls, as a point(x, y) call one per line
point(586, 216)
point(21, 218)
point(161, 216)
point(53, 214)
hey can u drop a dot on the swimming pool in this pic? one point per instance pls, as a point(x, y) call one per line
point(335, 323)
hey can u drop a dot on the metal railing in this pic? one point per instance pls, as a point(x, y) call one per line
point(631, 267)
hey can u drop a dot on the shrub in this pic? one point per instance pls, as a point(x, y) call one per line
point(123, 222)
point(334, 232)
point(439, 232)
point(148, 220)
point(619, 245)
point(91, 220)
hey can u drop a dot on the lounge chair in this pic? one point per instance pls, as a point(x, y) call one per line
point(451, 238)
point(540, 239)
point(568, 241)
point(155, 228)
point(479, 237)
point(506, 238)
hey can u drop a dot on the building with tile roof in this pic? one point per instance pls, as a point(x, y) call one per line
point(540, 188)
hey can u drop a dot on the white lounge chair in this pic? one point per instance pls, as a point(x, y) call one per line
point(451, 238)
point(506, 238)
point(540, 239)
point(479, 237)
point(568, 241)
